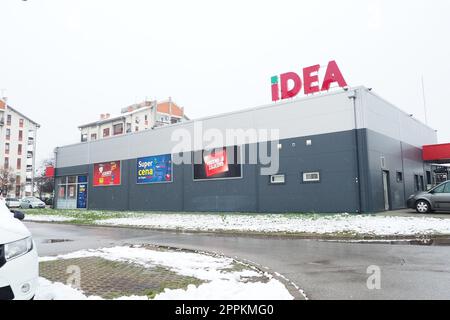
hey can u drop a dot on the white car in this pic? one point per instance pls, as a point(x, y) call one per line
point(12, 203)
point(31, 203)
point(19, 266)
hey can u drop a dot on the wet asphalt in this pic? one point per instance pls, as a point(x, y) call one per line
point(324, 270)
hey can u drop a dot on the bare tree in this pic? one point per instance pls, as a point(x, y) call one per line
point(7, 180)
point(43, 184)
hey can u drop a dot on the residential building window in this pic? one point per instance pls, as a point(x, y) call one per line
point(136, 129)
point(8, 134)
point(18, 191)
point(17, 180)
point(118, 129)
point(20, 135)
point(20, 123)
point(19, 149)
point(105, 132)
point(6, 164)
point(128, 127)
point(19, 164)
point(399, 176)
point(6, 148)
point(8, 120)
point(84, 137)
point(93, 136)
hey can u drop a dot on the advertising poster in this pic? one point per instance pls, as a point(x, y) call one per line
point(154, 169)
point(82, 192)
point(107, 174)
point(218, 164)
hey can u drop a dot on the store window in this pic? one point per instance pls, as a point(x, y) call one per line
point(311, 176)
point(277, 179)
point(72, 192)
point(416, 183)
point(428, 177)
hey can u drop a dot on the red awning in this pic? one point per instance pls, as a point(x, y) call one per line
point(439, 153)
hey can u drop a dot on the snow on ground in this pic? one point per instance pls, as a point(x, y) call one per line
point(272, 223)
point(222, 284)
point(49, 218)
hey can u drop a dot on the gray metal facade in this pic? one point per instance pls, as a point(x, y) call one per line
point(348, 157)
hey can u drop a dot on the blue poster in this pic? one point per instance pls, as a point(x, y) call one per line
point(154, 169)
point(82, 192)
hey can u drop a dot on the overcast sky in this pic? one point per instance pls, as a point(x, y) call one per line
point(64, 62)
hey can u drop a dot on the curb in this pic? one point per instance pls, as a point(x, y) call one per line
point(292, 288)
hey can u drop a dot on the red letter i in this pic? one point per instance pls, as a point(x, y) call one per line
point(275, 89)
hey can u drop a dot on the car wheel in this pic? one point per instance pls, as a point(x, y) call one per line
point(423, 206)
point(30, 206)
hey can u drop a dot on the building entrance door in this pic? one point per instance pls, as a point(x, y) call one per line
point(386, 190)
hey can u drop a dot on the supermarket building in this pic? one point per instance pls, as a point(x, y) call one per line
point(343, 151)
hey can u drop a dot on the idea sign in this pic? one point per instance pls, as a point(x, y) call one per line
point(289, 84)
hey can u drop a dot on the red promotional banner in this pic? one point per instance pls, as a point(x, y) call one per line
point(49, 172)
point(107, 174)
point(216, 163)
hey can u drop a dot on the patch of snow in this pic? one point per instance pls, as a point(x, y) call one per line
point(222, 283)
point(58, 291)
point(229, 290)
point(47, 218)
point(271, 223)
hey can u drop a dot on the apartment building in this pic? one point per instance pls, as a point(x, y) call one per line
point(137, 117)
point(18, 148)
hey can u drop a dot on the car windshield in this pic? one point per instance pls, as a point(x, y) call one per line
point(439, 188)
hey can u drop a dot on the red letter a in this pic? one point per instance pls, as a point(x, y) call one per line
point(332, 75)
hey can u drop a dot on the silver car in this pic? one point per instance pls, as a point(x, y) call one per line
point(31, 202)
point(437, 198)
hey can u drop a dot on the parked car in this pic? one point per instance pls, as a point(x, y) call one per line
point(31, 203)
point(19, 267)
point(12, 203)
point(48, 201)
point(437, 198)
